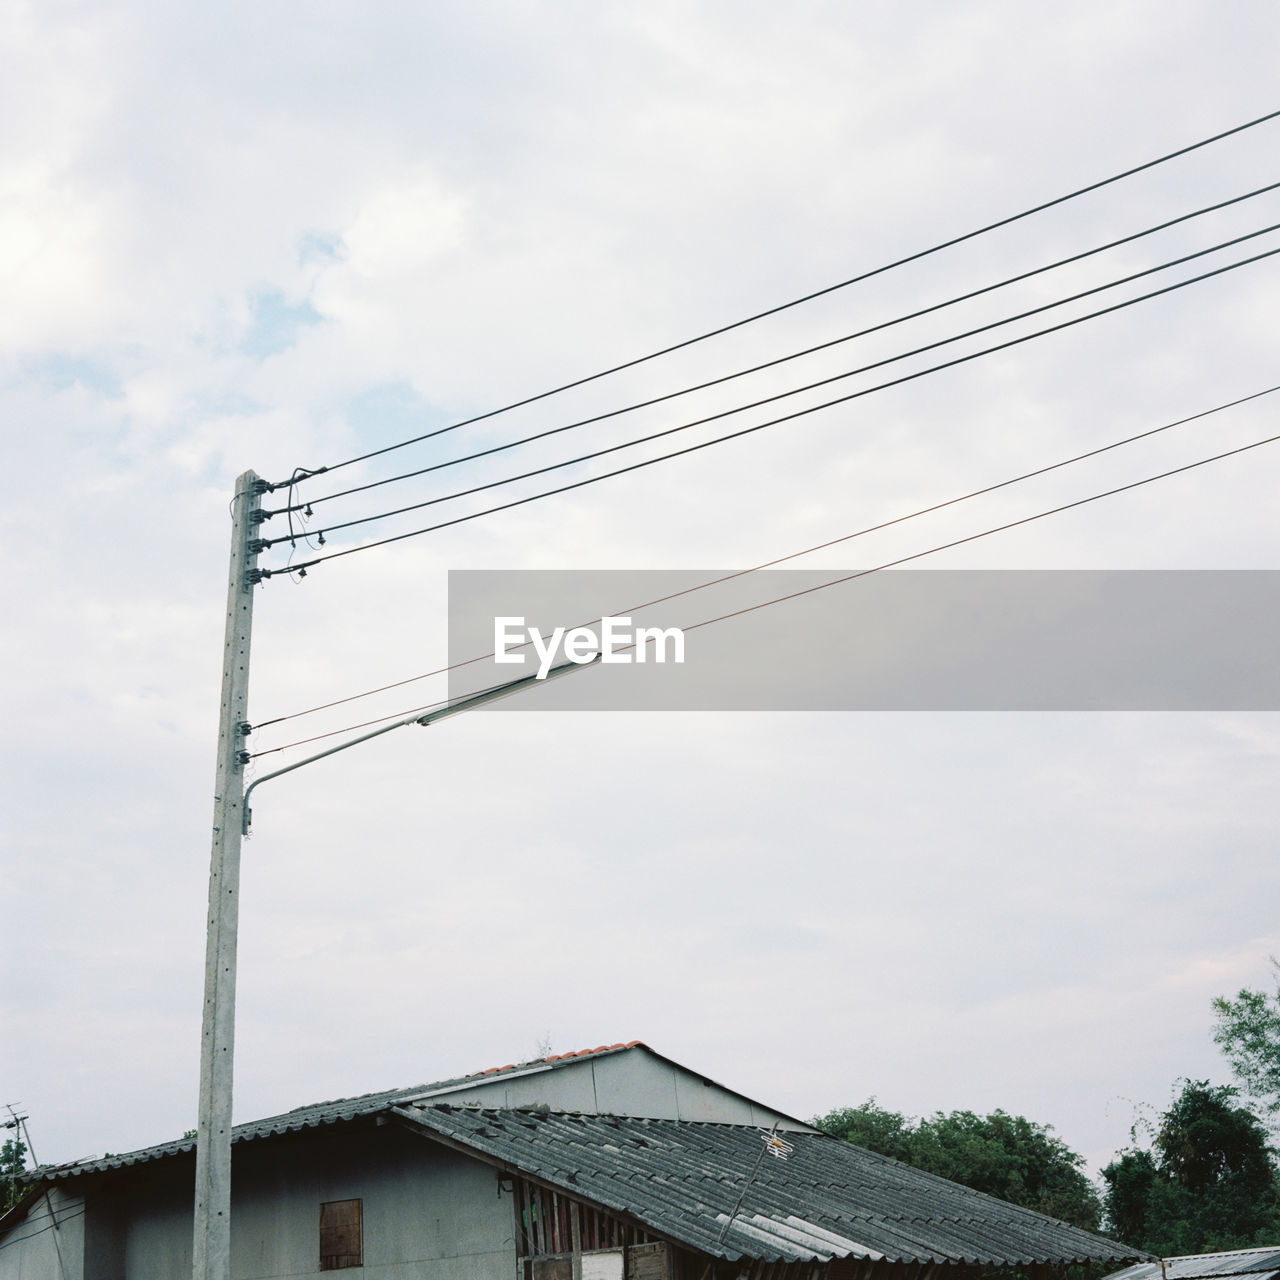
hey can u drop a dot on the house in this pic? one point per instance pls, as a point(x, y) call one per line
point(1238, 1264)
point(613, 1162)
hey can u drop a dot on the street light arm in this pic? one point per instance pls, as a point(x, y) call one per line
point(430, 717)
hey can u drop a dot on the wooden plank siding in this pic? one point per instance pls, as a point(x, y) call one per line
point(547, 1222)
point(552, 1230)
point(341, 1235)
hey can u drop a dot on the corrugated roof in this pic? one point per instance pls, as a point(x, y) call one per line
point(316, 1114)
point(827, 1200)
point(683, 1179)
point(1260, 1264)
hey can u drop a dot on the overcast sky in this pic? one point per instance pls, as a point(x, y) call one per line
point(245, 236)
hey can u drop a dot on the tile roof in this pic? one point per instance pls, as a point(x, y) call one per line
point(1255, 1263)
point(826, 1200)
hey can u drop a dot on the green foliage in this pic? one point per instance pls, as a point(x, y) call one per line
point(13, 1163)
point(1207, 1183)
point(1006, 1156)
point(1129, 1179)
point(872, 1127)
point(1248, 1032)
point(1012, 1158)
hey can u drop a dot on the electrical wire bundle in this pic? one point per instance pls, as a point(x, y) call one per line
point(693, 432)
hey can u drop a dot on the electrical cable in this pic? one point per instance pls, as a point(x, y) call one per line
point(293, 535)
point(809, 297)
point(53, 1225)
point(958, 542)
point(794, 555)
point(265, 543)
point(768, 364)
point(888, 564)
point(364, 724)
point(262, 575)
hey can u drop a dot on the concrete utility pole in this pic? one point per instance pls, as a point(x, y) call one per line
point(211, 1254)
point(212, 1243)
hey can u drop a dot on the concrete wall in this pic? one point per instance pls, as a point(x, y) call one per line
point(428, 1214)
point(35, 1250)
point(427, 1211)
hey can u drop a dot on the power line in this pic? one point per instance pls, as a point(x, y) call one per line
point(890, 564)
point(848, 537)
point(265, 543)
point(351, 728)
point(768, 364)
point(260, 575)
point(958, 542)
point(809, 297)
point(53, 1225)
point(364, 724)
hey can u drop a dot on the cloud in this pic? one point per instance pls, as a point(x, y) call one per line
point(278, 237)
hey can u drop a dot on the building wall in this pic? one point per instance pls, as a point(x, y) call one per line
point(427, 1213)
point(637, 1082)
point(35, 1249)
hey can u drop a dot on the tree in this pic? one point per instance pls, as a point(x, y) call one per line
point(1206, 1183)
point(13, 1164)
point(1129, 1179)
point(1006, 1156)
point(1248, 1032)
point(870, 1126)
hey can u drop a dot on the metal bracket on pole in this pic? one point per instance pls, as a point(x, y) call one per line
point(211, 1252)
point(467, 703)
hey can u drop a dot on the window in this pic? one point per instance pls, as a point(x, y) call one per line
point(341, 1235)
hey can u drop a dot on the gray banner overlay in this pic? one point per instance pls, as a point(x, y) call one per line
point(913, 640)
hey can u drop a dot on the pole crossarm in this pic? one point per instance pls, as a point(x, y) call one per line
point(452, 709)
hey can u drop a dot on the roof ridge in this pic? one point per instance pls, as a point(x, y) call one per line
point(548, 1108)
point(560, 1057)
point(353, 1105)
point(450, 1081)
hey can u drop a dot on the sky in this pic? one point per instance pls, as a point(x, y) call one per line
point(268, 237)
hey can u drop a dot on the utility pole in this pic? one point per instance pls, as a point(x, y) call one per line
point(212, 1244)
point(20, 1150)
point(211, 1253)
